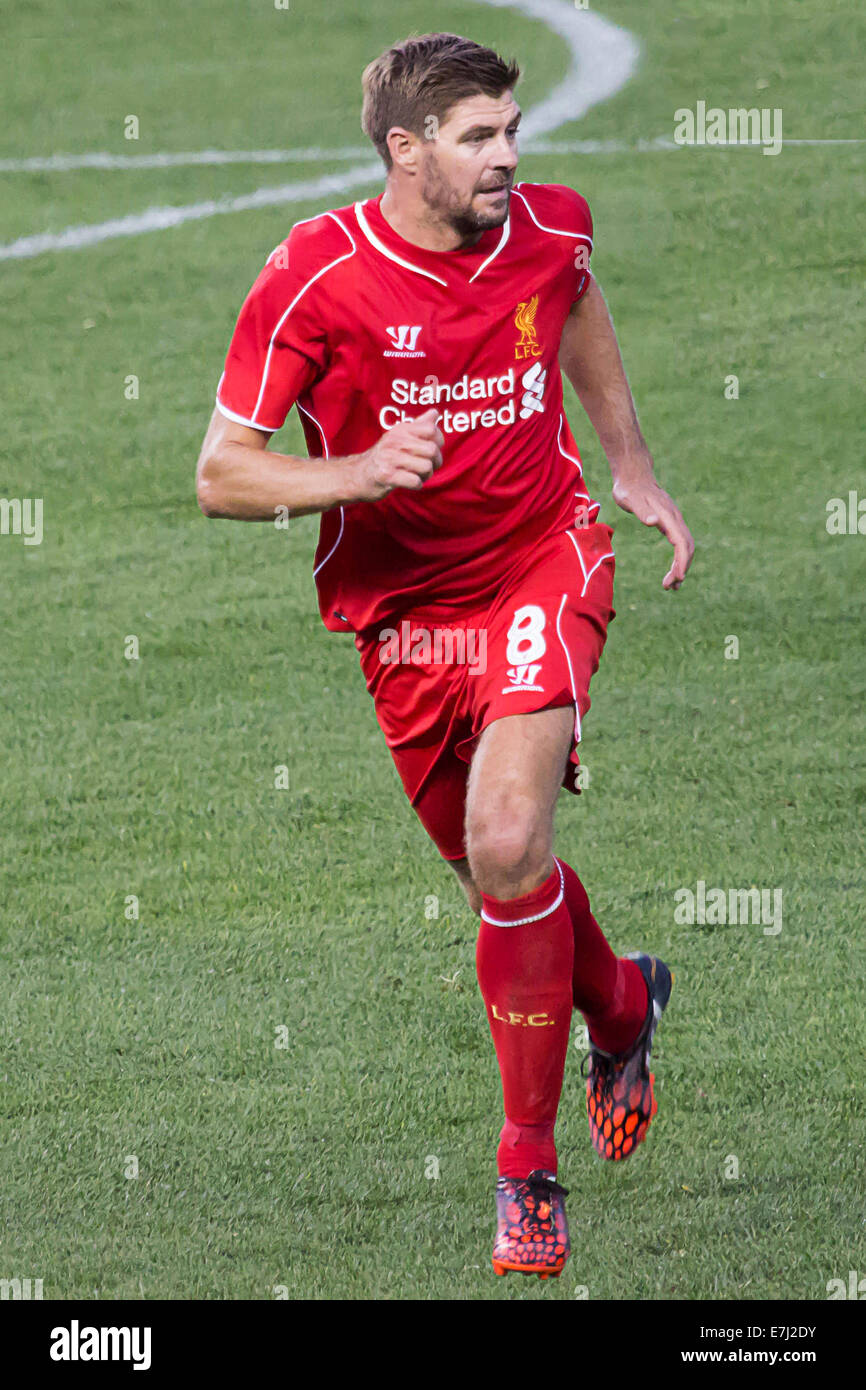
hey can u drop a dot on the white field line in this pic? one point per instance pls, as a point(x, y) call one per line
point(157, 219)
point(602, 59)
point(659, 142)
point(104, 159)
point(315, 154)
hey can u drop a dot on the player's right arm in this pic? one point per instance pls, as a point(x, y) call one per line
point(280, 348)
point(240, 479)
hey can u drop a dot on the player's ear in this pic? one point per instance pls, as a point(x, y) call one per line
point(403, 146)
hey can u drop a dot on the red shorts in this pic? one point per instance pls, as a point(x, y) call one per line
point(438, 682)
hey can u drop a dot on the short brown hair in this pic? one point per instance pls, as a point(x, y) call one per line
point(426, 76)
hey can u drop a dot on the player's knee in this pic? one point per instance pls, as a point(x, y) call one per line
point(508, 852)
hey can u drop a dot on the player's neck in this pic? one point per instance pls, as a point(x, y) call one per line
point(415, 224)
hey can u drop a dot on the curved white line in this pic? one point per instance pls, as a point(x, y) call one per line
point(334, 546)
point(238, 419)
point(392, 255)
point(160, 218)
point(506, 233)
point(522, 921)
point(319, 273)
point(602, 59)
point(577, 729)
point(609, 555)
point(554, 231)
point(579, 555)
point(310, 416)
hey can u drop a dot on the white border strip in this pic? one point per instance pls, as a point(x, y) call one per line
point(577, 731)
point(506, 233)
point(523, 921)
point(301, 292)
point(391, 255)
point(310, 416)
point(554, 231)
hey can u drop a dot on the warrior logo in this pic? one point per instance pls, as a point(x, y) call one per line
point(523, 678)
point(405, 340)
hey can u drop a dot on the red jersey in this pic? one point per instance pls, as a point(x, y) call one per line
point(362, 329)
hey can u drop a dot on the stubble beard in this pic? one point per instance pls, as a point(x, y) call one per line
point(447, 209)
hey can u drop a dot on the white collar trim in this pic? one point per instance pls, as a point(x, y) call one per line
point(385, 251)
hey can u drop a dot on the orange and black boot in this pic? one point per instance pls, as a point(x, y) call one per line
point(619, 1088)
point(531, 1231)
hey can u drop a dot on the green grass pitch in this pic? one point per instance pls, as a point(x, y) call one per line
point(302, 916)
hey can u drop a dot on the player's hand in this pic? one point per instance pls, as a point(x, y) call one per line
point(652, 505)
point(406, 456)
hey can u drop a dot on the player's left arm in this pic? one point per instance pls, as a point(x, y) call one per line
point(590, 357)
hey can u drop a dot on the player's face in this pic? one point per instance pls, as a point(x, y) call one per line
point(468, 169)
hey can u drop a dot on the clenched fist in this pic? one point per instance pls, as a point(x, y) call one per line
point(405, 456)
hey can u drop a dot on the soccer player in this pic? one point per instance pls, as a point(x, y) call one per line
point(420, 334)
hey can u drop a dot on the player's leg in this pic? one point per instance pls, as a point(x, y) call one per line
point(514, 781)
point(524, 961)
point(525, 950)
point(604, 987)
point(539, 945)
point(545, 637)
point(425, 718)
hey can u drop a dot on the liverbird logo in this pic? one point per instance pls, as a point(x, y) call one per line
point(524, 322)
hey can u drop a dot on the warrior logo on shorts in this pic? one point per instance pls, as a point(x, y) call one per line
point(524, 322)
point(523, 678)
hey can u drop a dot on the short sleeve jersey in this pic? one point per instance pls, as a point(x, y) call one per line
point(361, 329)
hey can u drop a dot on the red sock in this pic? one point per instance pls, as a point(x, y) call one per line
point(610, 992)
point(524, 961)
